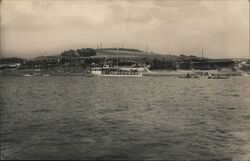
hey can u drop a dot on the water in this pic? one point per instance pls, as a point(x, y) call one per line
point(163, 118)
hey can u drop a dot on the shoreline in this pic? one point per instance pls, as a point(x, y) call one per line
point(82, 72)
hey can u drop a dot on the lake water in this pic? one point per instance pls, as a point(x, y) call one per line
point(165, 118)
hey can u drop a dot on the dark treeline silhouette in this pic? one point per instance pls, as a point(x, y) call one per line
point(163, 64)
point(11, 60)
point(79, 52)
point(70, 53)
point(86, 52)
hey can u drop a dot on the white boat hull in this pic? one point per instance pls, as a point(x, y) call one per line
point(107, 71)
point(110, 75)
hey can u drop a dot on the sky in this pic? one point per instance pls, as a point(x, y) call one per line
point(32, 28)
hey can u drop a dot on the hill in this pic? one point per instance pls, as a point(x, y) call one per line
point(129, 53)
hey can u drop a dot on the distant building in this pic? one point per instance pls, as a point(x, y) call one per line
point(213, 64)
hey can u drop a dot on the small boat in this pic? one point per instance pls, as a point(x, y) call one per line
point(217, 77)
point(184, 77)
point(190, 76)
point(46, 75)
point(107, 71)
point(245, 75)
point(28, 75)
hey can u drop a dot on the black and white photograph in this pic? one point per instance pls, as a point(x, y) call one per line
point(125, 80)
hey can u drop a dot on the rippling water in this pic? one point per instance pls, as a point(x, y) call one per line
point(125, 118)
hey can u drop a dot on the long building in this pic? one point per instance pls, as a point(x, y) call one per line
point(213, 64)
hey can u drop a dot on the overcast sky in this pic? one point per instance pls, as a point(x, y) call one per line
point(32, 27)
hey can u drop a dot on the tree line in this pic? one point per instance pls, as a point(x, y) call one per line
point(87, 52)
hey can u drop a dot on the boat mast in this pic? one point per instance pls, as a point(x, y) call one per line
point(202, 54)
point(105, 63)
point(117, 58)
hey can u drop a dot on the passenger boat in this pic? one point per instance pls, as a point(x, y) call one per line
point(107, 71)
